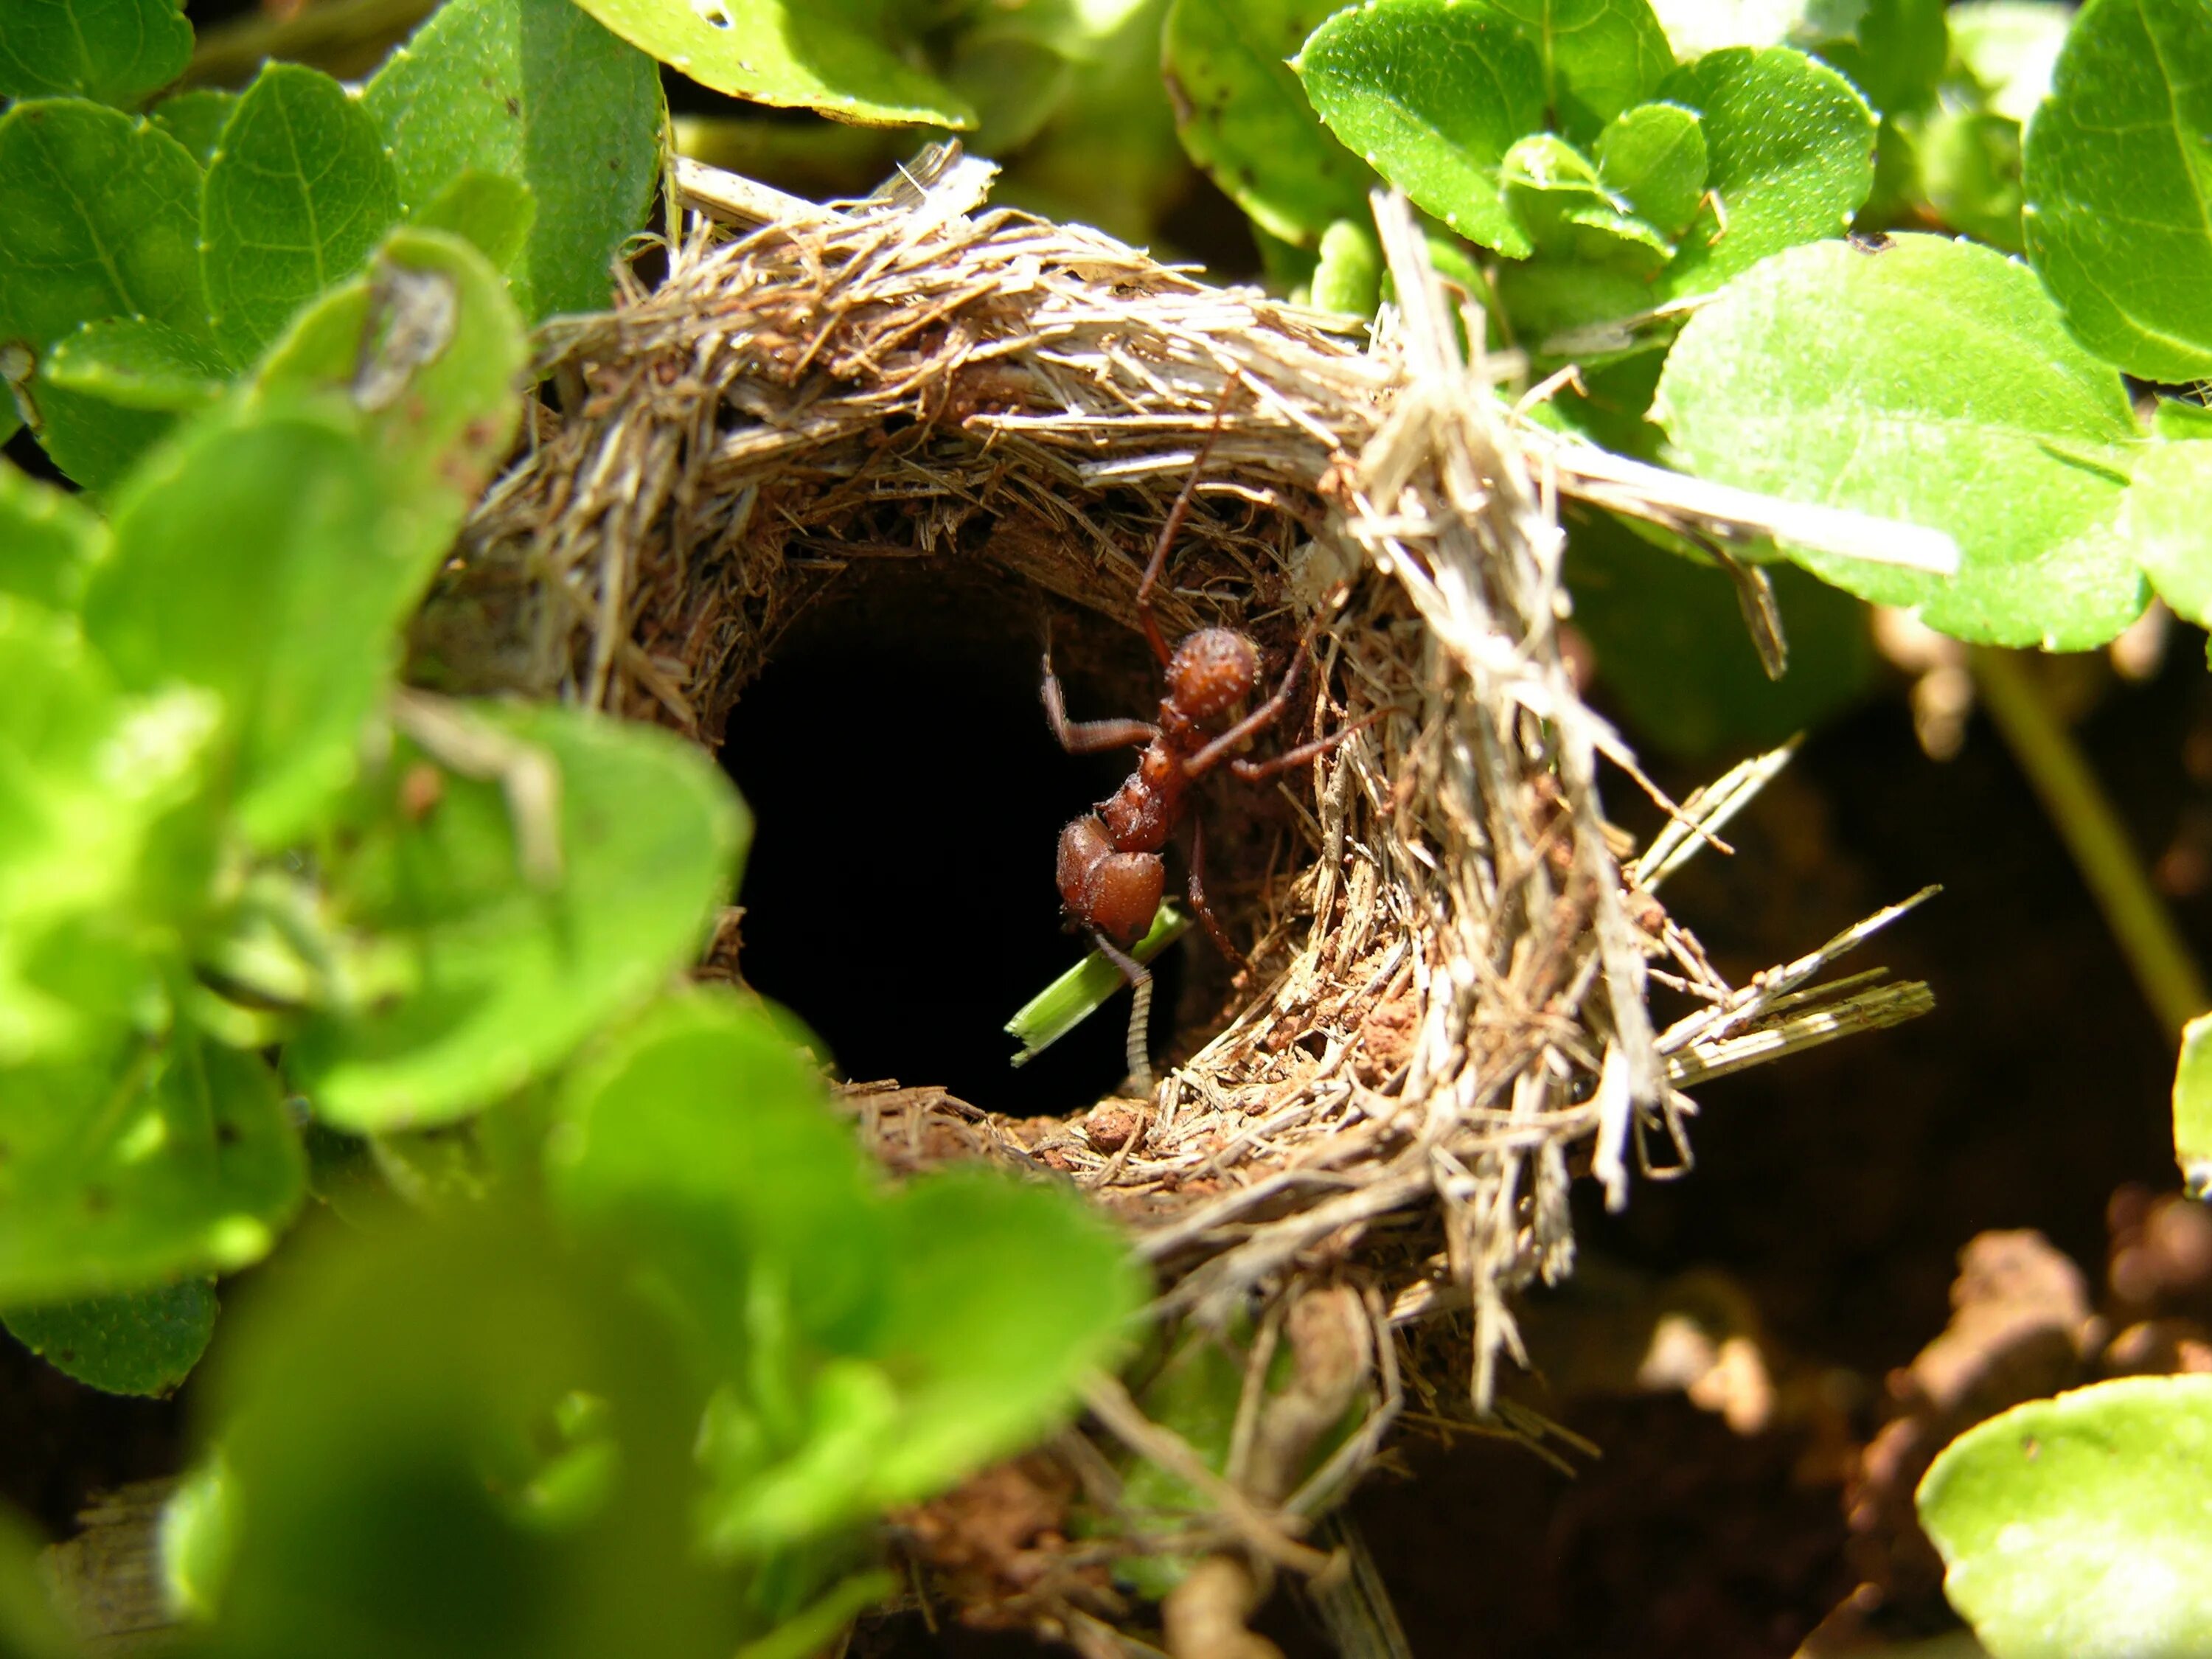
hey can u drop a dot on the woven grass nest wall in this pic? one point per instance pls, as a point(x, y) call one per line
point(1449, 1013)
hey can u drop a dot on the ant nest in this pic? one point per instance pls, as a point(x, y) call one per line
point(1447, 1017)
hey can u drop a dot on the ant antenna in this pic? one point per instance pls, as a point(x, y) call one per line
point(1138, 1050)
point(1229, 394)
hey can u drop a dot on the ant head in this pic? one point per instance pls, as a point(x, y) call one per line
point(1212, 671)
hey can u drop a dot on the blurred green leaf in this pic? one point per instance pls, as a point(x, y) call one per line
point(138, 363)
point(102, 850)
point(1195, 1392)
point(1790, 158)
point(536, 92)
point(2074, 1528)
point(2130, 121)
point(48, 539)
point(847, 58)
point(530, 902)
point(1600, 56)
point(140, 1342)
point(490, 211)
point(1654, 157)
point(251, 558)
point(386, 1414)
point(176, 1159)
point(1674, 654)
point(1348, 276)
point(195, 119)
point(115, 51)
point(2182, 421)
point(1433, 95)
point(1970, 168)
point(298, 195)
point(1695, 28)
point(1896, 56)
point(2165, 521)
point(1932, 382)
point(2010, 48)
point(2192, 1107)
point(30, 1626)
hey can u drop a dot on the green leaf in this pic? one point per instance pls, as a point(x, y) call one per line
point(103, 845)
point(177, 1160)
point(195, 119)
point(632, 837)
point(1000, 1295)
point(1554, 191)
point(490, 211)
point(1970, 169)
point(2192, 1107)
point(1931, 382)
point(402, 1416)
point(1433, 95)
point(2182, 421)
point(1654, 158)
point(1791, 148)
point(114, 51)
point(138, 363)
point(843, 57)
point(1695, 28)
point(2164, 518)
point(1348, 276)
point(536, 92)
point(251, 558)
point(2074, 1528)
point(1600, 56)
point(299, 194)
point(2130, 124)
point(103, 221)
point(1674, 654)
point(30, 1625)
point(1898, 54)
point(47, 541)
point(1244, 119)
point(1080, 991)
point(2010, 48)
point(141, 1342)
point(702, 1136)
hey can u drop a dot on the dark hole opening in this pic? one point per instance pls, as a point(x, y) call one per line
point(907, 798)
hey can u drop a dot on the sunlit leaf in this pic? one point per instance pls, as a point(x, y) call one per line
point(1932, 382)
point(1600, 56)
point(1654, 157)
point(2010, 48)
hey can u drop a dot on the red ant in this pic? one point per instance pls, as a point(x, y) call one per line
point(1111, 874)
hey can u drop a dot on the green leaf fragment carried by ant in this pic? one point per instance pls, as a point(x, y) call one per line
point(1083, 990)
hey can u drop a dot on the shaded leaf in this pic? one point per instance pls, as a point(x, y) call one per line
point(1790, 158)
point(298, 195)
point(174, 1160)
point(195, 119)
point(844, 57)
point(499, 975)
point(1969, 168)
point(2128, 121)
point(1433, 95)
point(1933, 383)
point(490, 211)
point(114, 51)
point(1897, 54)
point(2165, 519)
point(47, 541)
point(95, 443)
point(138, 363)
point(2074, 1528)
point(1348, 277)
point(1243, 118)
point(536, 92)
point(141, 1342)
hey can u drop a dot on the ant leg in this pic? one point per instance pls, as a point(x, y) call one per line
point(1255, 771)
point(1198, 902)
point(1089, 736)
point(1138, 1049)
point(1173, 526)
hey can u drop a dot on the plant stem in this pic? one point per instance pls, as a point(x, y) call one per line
point(2082, 813)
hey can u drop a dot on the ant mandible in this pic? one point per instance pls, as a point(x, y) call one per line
point(1111, 873)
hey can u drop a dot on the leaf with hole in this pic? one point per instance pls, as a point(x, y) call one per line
point(162, 1161)
point(135, 362)
point(113, 51)
point(2129, 122)
point(1790, 150)
point(299, 194)
point(1433, 95)
point(1932, 382)
point(850, 59)
point(539, 92)
point(2074, 1528)
point(140, 1342)
point(1244, 119)
point(566, 865)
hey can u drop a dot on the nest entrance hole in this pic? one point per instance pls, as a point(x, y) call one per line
point(909, 796)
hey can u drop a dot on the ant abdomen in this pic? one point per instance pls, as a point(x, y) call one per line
point(1212, 671)
point(1116, 892)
